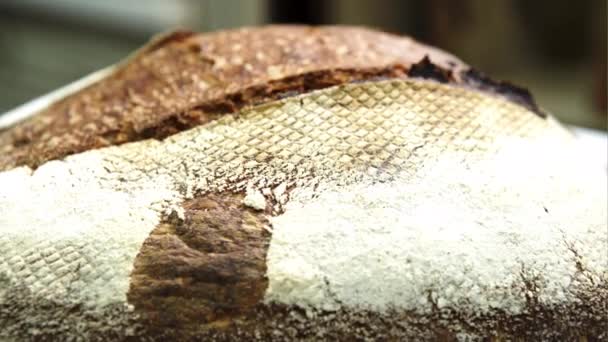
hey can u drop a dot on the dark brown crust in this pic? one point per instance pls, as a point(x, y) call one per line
point(583, 319)
point(289, 323)
point(204, 270)
point(183, 80)
point(477, 80)
point(427, 69)
point(580, 321)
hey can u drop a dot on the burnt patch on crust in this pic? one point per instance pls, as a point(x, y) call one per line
point(205, 269)
point(477, 80)
point(427, 70)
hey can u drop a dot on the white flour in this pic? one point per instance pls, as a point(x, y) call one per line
point(460, 234)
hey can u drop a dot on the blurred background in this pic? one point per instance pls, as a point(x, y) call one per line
point(555, 48)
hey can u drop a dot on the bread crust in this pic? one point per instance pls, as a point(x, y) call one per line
point(182, 80)
point(204, 269)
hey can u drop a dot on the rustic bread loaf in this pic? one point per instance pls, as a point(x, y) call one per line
point(298, 183)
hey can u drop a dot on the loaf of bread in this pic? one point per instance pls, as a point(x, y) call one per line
point(299, 183)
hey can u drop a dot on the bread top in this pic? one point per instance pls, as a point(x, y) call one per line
point(185, 79)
